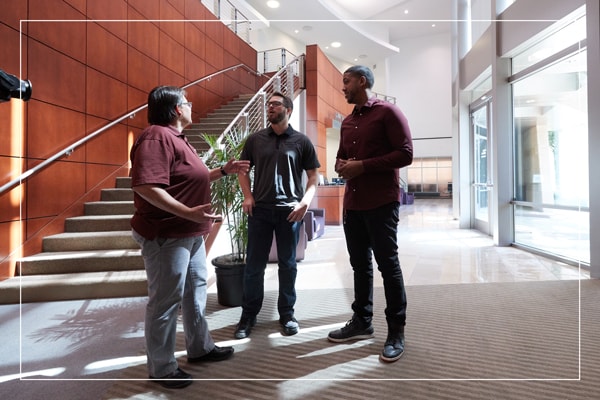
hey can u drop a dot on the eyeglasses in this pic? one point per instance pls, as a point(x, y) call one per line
point(187, 103)
point(274, 104)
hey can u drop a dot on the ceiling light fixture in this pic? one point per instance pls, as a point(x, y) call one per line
point(335, 44)
point(273, 4)
point(405, 11)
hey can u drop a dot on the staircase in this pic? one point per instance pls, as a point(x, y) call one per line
point(215, 123)
point(96, 257)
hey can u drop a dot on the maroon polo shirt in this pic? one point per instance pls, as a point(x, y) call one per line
point(378, 134)
point(162, 156)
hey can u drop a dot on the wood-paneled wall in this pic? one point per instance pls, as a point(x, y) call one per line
point(90, 62)
point(324, 99)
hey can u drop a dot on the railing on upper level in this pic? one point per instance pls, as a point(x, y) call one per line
point(231, 16)
point(67, 151)
point(289, 80)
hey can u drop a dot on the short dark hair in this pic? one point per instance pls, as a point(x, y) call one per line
point(162, 101)
point(287, 102)
point(361, 70)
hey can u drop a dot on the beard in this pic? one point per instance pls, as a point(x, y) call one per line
point(277, 117)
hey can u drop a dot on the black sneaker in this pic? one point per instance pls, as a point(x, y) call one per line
point(289, 325)
point(353, 330)
point(216, 354)
point(393, 348)
point(177, 379)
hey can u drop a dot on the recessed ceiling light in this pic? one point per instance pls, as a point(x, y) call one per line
point(433, 25)
point(405, 11)
point(335, 44)
point(273, 4)
point(296, 31)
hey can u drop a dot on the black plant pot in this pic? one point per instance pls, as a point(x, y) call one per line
point(230, 280)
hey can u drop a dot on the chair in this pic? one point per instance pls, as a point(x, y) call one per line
point(302, 240)
point(314, 221)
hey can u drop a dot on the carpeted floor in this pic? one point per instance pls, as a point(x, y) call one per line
point(465, 341)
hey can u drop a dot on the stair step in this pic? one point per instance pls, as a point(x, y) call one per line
point(123, 182)
point(90, 223)
point(79, 241)
point(116, 194)
point(64, 262)
point(78, 286)
point(109, 208)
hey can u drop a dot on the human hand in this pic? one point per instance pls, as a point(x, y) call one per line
point(202, 213)
point(297, 213)
point(237, 167)
point(349, 169)
point(248, 205)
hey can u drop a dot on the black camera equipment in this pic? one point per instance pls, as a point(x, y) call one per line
point(13, 87)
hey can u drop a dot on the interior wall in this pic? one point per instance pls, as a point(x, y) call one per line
point(85, 74)
point(420, 79)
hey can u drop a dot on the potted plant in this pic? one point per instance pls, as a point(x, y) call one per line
point(227, 199)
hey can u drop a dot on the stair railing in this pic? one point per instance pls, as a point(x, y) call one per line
point(289, 80)
point(67, 151)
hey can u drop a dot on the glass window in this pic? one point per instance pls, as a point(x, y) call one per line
point(551, 159)
point(565, 37)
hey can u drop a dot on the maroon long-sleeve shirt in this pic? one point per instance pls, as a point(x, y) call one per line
point(378, 134)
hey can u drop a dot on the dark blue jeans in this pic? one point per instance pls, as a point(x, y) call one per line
point(261, 226)
point(368, 233)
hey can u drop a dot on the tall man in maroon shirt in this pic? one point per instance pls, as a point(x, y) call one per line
point(375, 143)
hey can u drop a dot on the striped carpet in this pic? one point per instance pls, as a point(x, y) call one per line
point(467, 341)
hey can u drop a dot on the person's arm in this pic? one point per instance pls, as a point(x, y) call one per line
point(160, 198)
point(248, 204)
point(231, 167)
point(311, 188)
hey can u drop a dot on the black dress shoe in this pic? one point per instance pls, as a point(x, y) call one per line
point(244, 327)
point(175, 380)
point(216, 354)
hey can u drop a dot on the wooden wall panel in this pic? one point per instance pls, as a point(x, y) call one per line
point(51, 129)
point(89, 72)
point(214, 53)
point(105, 95)
point(194, 40)
point(135, 99)
point(12, 13)
point(169, 77)
point(147, 9)
point(56, 78)
point(195, 67)
point(12, 232)
point(106, 52)
point(171, 53)
point(68, 37)
point(64, 179)
point(110, 10)
point(142, 71)
point(108, 148)
point(143, 36)
point(171, 22)
point(10, 202)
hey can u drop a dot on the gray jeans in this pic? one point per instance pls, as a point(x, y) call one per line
point(177, 275)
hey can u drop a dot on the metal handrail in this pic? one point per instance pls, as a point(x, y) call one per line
point(289, 80)
point(67, 151)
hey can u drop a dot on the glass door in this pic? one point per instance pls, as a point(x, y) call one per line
point(481, 173)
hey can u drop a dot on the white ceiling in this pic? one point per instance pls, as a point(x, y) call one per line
point(368, 30)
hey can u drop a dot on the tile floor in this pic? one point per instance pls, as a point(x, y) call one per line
point(432, 249)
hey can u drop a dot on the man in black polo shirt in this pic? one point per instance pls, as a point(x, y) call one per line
point(276, 203)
